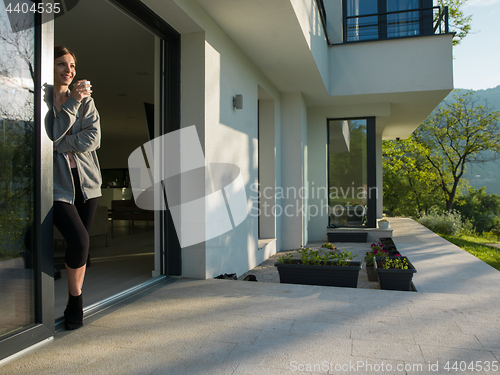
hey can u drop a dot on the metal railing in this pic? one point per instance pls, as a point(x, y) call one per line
point(388, 25)
point(397, 24)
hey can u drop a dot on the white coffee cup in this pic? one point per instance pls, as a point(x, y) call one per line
point(87, 85)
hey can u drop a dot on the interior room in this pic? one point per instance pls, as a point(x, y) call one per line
point(117, 55)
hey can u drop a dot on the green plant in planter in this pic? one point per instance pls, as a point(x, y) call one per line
point(341, 258)
point(285, 258)
point(316, 257)
point(308, 256)
point(329, 245)
point(397, 263)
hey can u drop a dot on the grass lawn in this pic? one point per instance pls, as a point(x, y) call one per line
point(476, 246)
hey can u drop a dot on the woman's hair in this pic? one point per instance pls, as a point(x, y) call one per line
point(61, 51)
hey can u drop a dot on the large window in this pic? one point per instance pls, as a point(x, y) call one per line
point(17, 148)
point(382, 19)
point(363, 26)
point(351, 171)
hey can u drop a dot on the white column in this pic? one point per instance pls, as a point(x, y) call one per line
point(193, 74)
point(267, 174)
point(294, 171)
point(380, 200)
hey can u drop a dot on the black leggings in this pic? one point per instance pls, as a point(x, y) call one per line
point(74, 222)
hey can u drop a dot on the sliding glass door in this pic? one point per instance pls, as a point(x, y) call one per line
point(26, 272)
point(17, 150)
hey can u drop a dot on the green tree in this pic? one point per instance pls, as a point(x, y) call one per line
point(457, 134)
point(410, 185)
point(459, 23)
point(480, 208)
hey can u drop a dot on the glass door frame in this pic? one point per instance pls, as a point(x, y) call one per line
point(43, 258)
point(44, 328)
point(371, 165)
point(170, 101)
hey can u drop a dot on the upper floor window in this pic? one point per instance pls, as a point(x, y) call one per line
point(382, 19)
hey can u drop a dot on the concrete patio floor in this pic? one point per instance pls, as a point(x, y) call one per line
point(258, 328)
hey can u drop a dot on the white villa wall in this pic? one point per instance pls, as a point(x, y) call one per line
point(380, 170)
point(294, 171)
point(193, 113)
point(213, 70)
point(334, 21)
point(267, 169)
point(390, 66)
point(387, 80)
point(317, 136)
point(307, 14)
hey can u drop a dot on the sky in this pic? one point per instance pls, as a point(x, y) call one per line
point(476, 63)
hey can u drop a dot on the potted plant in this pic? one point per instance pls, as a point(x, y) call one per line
point(383, 224)
point(377, 250)
point(317, 268)
point(394, 272)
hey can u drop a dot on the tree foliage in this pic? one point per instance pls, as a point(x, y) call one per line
point(456, 134)
point(410, 184)
point(459, 23)
point(426, 169)
point(480, 208)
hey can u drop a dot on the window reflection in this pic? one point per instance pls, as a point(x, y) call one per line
point(347, 173)
point(403, 23)
point(16, 170)
point(362, 28)
point(375, 19)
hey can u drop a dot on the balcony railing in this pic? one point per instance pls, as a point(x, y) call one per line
point(389, 25)
point(404, 23)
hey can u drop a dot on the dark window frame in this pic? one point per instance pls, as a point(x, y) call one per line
point(424, 7)
point(371, 166)
point(43, 262)
point(44, 327)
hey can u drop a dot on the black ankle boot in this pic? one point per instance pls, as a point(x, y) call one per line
point(73, 315)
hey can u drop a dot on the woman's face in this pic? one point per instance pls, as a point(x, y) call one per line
point(64, 70)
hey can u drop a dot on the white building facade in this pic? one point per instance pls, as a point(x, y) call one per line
point(319, 84)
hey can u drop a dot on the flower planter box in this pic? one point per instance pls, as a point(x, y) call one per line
point(372, 275)
point(347, 236)
point(389, 245)
point(387, 241)
point(298, 273)
point(393, 252)
point(394, 279)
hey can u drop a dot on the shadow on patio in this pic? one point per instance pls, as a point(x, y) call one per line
point(236, 327)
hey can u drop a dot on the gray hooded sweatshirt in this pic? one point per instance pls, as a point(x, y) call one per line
point(76, 129)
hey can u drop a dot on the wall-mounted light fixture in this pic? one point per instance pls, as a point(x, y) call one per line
point(238, 101)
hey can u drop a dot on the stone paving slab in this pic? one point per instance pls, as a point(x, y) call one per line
point(238, 327)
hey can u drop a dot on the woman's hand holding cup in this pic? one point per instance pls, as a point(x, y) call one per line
point(81, 89)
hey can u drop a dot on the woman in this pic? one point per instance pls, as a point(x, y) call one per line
point(77, 177)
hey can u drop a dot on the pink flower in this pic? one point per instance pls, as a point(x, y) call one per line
point(397, 255)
